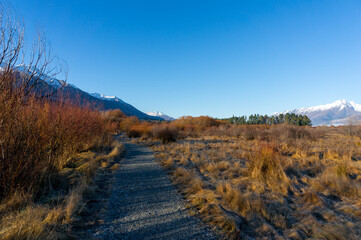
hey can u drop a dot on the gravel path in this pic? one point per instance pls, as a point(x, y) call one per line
point(145, 205)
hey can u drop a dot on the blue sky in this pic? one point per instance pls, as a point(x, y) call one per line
point(216, 58)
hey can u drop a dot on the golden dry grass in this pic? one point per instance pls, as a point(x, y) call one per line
point(298, 184)
point(23, 218)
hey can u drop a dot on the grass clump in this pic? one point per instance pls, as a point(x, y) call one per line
point(267, 164)
point(335, 182)
point(273, 185)
point(23, 217)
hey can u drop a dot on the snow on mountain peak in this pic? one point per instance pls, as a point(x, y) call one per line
point(161, 115)
point(356, 106)
point(339, 104)
point(335, 113)
point(155, 113)
point(26, 69)
point(104, 97)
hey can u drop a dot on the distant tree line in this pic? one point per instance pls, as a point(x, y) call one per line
point(256, 119)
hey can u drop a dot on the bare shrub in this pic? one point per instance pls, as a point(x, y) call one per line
point(295, 132)
point(164, 133)
point(113, 119)
point(133, 133)
point(37, 142)
point(139, 129)
point(226, 130)
point(251, 133)
point(193, 126)
point(39, 134)
point(114, 115)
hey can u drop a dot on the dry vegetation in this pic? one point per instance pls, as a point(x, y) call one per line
point(265, 182)
point(49, 216)
point(50, 153)
point(258, 182)
point(50, 150)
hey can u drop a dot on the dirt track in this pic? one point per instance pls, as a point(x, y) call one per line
point(145, 205)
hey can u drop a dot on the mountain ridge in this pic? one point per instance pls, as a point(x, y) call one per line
point(340, 112)
point(62, 90)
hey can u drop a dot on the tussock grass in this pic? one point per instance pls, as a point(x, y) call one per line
point(338, 184)
point(24, 218)
point(333, 232)
point(74, 199)
point(289, 184)
point(267, 164)
point(31, 223)
point(264, 182)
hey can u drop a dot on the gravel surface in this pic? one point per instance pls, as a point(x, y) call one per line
point(145, 205)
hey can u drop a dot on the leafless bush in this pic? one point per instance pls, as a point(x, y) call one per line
point(251, 133)
point(164, 133)
point(114, 115)
point(36, 134)
point(294, 132)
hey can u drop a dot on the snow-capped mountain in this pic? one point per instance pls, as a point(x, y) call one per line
point(60, 89)
point(38, 74)
point(337, 113)
point(104, 97)
point(161, 115)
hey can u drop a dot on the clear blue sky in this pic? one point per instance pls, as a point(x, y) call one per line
point(215, 58)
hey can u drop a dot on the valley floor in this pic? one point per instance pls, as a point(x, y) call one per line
point(259, 190)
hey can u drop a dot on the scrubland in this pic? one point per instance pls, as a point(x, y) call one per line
point(50, 152)
point(248, 181)
point(263, 182)
point(50, 149)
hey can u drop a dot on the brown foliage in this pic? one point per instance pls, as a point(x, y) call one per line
point(164, 133)
point(113, 118)
point(193, 125)
point(38, 136)
point(139, 129)
point(36, 139)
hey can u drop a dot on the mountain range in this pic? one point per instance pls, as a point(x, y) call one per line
point(68, 92)
point(340, 112)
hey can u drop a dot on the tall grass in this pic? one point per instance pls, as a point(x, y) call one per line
point(267, 164)
point(269, 182)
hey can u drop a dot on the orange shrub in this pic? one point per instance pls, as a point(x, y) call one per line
point(36, 139)
point(191, 125)
point(164, 133)
point(113, 119)
point(139, 129)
